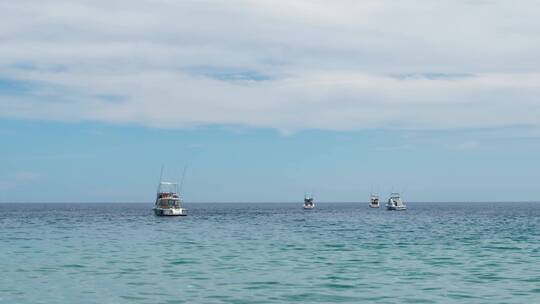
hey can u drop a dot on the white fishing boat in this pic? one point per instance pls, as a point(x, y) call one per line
point(168, 200)
point(395, 203)
point(374, 201)
point(308, 201)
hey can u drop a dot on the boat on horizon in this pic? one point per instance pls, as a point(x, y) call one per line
point(374, 201)
point(168, 200)
point(395, 203)
point(308, 201)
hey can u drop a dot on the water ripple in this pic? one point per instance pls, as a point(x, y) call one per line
point(270, 253)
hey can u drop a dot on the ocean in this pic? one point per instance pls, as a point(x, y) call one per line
point(270, 253)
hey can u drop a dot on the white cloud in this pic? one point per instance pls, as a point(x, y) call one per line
point(340, 65)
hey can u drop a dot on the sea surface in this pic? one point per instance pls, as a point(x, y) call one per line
point(270, 253)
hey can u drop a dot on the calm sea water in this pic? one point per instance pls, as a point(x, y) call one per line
point(270, 253)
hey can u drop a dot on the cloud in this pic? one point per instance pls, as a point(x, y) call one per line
point(340, 65)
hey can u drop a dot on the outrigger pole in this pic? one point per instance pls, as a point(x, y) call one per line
point(160, 179)
point(182, 181)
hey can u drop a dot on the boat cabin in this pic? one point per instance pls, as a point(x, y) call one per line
point(167, 196)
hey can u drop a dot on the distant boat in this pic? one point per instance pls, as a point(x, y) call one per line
point(374, 201)
point(395, 203)
point(168, 200)
point(308, 202)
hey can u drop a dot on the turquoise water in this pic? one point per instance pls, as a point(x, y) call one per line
point(273, 253)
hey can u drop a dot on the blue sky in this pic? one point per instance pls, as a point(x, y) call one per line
point(264, 100)
point(49, 161)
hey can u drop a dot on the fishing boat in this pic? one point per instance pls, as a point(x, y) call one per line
point(308, 201)
point(395, 203)
point(374, 201)
point(168, 200)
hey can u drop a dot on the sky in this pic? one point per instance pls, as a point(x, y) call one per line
point(266, 100)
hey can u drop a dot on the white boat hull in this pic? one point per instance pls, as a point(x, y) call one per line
point(396, 208)
point(170, 211)
point(309, 207)
point(374, 206)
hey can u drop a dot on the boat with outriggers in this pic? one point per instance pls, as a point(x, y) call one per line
point(374, 201)
point(168, 200)
point(395, 203)
point(309, 203)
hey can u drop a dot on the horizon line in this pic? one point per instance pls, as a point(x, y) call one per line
point(268, 202)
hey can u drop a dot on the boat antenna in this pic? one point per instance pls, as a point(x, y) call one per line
point(182, 180)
